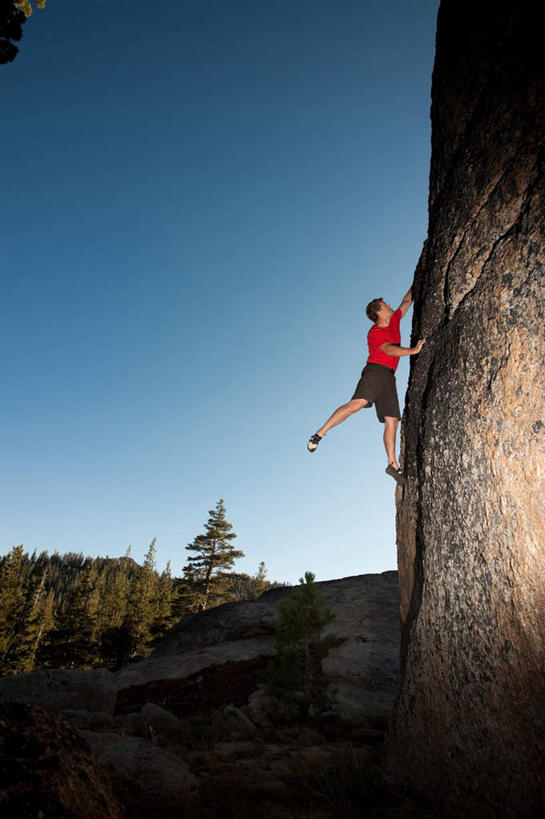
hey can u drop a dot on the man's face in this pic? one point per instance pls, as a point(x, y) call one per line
point(385, 312)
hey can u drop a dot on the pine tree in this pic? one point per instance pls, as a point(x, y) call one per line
point(70, 644)
point(250, 587)
point(115, 594)
point(260, 584)
point(163, 616)
point(295, 674)
point(77, 612)
point(183, 598)
point(142, 604)
point(206, 570)
point(26, 611)
point(40, 621)
point(14, 609)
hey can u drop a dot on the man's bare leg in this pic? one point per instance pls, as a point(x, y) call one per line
point(342, 413)
point(390, 429)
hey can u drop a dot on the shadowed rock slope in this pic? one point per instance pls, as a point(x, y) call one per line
point(362, 665)
point(469, 723)
point(193, 732)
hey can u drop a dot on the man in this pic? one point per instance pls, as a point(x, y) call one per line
point(377, 383)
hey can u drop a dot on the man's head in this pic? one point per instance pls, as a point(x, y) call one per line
point(379, 312)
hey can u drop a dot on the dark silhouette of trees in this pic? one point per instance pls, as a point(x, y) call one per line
point(13, 15)
point(12, 20)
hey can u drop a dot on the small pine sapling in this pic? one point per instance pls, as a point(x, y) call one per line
point(296, 674)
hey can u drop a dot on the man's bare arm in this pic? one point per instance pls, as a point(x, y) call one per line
point(406, 302)
point(398, 352)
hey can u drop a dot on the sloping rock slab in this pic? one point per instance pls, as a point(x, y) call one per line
point(227, 623)
point(256, 619)
point(60, 690)
point(180, 667)
point(200, 693)
point(363, 664)
point(47, 770)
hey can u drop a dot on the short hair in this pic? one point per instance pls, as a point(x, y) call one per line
point(372, 309)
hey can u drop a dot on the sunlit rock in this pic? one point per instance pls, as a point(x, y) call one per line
point(471, 525)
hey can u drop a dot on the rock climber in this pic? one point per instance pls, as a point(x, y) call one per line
point(377, 384)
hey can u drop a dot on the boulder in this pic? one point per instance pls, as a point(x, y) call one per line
point(263, 708)
point(63, 690)
point(256, 709)
point(470, 522)
point(132, 724)
point(92, 720)
point(234, 719)
point(160, 783)
point(158, 724)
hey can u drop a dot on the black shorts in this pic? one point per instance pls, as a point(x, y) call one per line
point(378, 386)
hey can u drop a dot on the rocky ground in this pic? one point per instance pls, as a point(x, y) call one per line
point(192, 732)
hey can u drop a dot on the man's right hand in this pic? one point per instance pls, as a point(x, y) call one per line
point(418, 346)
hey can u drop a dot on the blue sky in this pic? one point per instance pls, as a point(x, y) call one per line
point(200, 198)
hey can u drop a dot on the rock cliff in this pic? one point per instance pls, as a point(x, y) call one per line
point(469, 723)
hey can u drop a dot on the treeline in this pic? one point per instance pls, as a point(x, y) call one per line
point(71, 611)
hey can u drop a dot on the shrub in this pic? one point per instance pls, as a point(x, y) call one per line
point(295, 674)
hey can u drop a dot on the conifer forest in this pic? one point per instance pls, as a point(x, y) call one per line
point(71, 611)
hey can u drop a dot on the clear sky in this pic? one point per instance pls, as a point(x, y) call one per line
point(199, 199)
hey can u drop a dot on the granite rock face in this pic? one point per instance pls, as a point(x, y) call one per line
point(72, 691)
point(214, 652)
point(469, 723)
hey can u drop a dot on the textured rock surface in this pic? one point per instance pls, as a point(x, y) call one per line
point(208, 651)
point(93, 691)
point(158, 725)
point(183, 666)
point(159, 781)
point(471, 529)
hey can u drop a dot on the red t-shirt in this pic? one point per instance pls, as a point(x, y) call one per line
point(377, 336)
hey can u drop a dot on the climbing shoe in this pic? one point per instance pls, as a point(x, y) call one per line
point(313, 442)
point(396, 474)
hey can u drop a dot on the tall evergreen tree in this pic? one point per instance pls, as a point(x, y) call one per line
point(26, 610)
point(40, 621)
point(114, 634)
point(14, 608)
point(70, 644)
point(206, 570)
point(142, 604)
point(114, 600)
point(164, 600)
